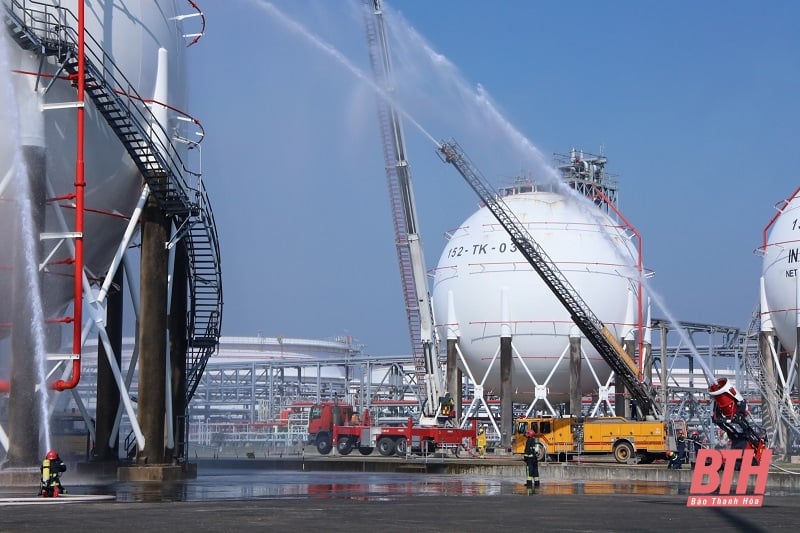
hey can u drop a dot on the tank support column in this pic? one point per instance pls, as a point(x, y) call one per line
point(575, 404)
point(107, 391)
point(630, 348)
point(454, 375)
point(796, 372)
point(506, 390)
point(795, 383)
point(177, 352)
point(153, 332)
point(506, 362)
point(770, 418)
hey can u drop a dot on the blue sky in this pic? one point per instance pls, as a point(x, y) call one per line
point(693, 103)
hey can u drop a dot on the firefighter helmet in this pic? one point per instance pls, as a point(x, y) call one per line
point(51, 455)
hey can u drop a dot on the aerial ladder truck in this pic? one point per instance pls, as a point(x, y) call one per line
point(436, 404)
point(730, 409)
point(436, 426)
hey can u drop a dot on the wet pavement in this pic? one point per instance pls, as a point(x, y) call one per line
point(220, 484)
point(226, 499)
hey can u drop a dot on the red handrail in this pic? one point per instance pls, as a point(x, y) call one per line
point(202, 23)
point(640, 268)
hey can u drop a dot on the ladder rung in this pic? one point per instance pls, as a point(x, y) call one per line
point(60, 235)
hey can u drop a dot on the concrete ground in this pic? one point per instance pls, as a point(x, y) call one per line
point(450, 512)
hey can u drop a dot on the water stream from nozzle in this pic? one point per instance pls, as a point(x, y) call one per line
point(484, 105)
point(16, 181)
point(332, 52)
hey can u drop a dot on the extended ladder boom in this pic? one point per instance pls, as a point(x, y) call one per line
point(409, 246)
point(594, 330)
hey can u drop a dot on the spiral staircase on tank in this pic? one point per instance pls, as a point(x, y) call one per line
point(50, 31)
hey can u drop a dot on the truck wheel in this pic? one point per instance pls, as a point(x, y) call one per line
point(541, 452)
point(344, 445)
point(623, 451)
point(324, 445)
point(385, 446)
point(365, 450)
point(400, 446)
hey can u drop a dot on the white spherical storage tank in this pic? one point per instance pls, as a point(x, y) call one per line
point(480, 268)
point(780, 273)
point(40, 113)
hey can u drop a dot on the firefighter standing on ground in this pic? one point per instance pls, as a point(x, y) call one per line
point(680, 443)
point(52, 467)
point(531, 447)
point(480, 443)
point(693, 446)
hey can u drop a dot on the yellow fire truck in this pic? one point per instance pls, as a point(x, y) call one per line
point(626, 439)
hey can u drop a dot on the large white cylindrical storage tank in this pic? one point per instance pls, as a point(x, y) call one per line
point(780, 273)
point(480, 263)
point(130, 34)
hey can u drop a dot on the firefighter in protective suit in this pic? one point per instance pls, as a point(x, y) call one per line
point(673, 461)
point(481, 443)
point(52, 467)
point(531, 446)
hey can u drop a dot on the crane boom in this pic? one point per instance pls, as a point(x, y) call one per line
point(407, 239)
point(595, 331)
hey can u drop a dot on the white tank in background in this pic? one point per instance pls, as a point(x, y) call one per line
point(780, 273)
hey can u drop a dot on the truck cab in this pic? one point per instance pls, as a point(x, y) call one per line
point(544, 430)
point(321, 419)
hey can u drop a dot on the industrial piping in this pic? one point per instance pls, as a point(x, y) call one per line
point(80, 187)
